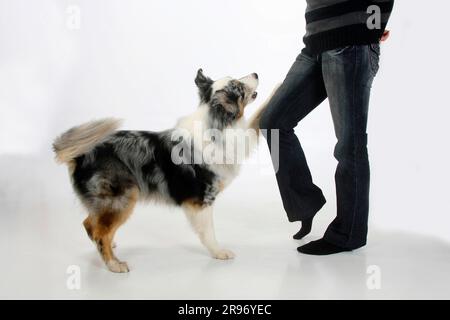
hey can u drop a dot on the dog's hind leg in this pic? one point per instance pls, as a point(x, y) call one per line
point(201, 220)
point(88, 224)
point(102, 226)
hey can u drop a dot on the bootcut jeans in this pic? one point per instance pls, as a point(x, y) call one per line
point(345, 77)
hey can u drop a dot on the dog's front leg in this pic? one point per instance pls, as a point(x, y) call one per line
point(256, 117)
point(253, 124)
point(201, 219)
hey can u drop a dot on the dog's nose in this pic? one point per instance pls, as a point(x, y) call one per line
point(255, 75)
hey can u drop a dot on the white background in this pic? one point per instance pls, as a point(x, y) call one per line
point(137, 60)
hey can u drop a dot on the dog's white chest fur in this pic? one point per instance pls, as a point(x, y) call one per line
point(219, 149)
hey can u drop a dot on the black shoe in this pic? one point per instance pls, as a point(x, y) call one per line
point(321, 248)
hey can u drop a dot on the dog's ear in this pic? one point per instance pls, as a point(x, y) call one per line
point(204, 85)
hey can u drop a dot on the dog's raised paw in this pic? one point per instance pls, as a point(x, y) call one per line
point(223, 254)
point(118, 266)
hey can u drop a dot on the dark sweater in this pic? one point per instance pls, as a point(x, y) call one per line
point(331, 24)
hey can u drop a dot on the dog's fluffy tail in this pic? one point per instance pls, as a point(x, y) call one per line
point(83, 138)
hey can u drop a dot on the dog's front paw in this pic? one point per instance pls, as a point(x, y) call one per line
point(117, 266)
point(223, 254)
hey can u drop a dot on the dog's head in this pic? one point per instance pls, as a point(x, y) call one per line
point(227, 97)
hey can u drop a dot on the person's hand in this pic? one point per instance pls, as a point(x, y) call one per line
point(385, 35)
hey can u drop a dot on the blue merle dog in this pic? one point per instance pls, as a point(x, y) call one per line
point(111, 170)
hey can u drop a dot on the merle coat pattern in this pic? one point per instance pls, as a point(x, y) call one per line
point(111, 170)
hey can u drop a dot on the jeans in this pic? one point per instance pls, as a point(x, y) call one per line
point(345, 76)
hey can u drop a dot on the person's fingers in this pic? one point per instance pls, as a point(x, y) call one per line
point(385, 35)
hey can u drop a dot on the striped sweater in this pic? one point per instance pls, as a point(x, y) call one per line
point(331, 24)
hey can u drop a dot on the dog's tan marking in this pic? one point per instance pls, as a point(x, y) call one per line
point(102, 226)
point(88, 225)
point(241, 106)
point(193, 204)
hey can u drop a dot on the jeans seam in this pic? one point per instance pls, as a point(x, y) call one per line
point(355, 204)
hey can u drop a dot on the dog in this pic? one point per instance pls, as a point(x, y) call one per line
point(111, 169)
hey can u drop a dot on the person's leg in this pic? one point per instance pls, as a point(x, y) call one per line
point(299, 94)
point(348, 74)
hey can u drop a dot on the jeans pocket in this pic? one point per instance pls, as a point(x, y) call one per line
point(374, 57)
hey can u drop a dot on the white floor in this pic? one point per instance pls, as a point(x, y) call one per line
point(41, 236)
